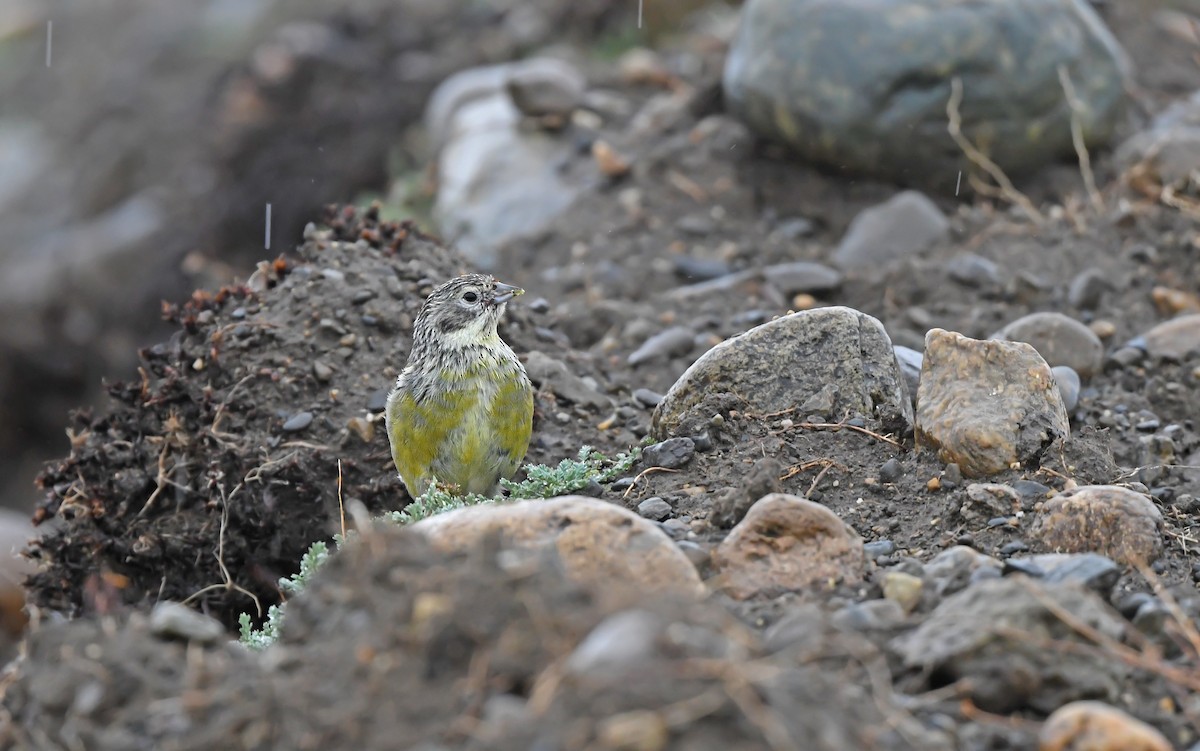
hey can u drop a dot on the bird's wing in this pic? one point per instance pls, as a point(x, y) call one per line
point(512, 416)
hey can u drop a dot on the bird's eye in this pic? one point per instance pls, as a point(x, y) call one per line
point(470, 296)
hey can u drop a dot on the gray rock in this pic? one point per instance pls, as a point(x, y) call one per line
point(789, 278)
point(173, 620)
point(1169, 150)
point(672, 453)
point(1087, 289)
point(496, 181)
point(879, 548)
point(890, 470)
point(1175, 339)
point(778, 365)
point(982, 635)
point(1059, 339)
point(1096, 572)
point(986, 405)
point(910, 367)
point(872, 615)
point(655, 509)
point(545, 86)
point(987, 500)
point(647, 398)
point(802, 276)
point(1068, 384)
point(671, 342)
point(953, 569)
point(556, 377)
point(863, 85)
point(298, 422)
point(617, 643)
point(702, 269)
point(972, 270)
point(904, 225)
point(377, 401)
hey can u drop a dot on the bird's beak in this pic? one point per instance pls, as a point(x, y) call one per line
point(505, 292)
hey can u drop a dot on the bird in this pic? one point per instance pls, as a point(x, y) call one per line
point(461, 412)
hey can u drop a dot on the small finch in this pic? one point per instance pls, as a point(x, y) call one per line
point(461, 413)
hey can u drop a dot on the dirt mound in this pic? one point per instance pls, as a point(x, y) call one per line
point(210, 475)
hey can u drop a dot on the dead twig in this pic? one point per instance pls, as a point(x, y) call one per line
point(220, 413)
point(160, 479)
point(817, 479)
point(228, 584)
point(1007, 190)
point(805, 466)
point(642, 474)
point(847, 426)
point(1077, 107)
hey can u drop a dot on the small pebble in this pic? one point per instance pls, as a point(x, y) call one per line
point(322, 372)
point(622, 484)
point(654, 508)
point(1014, 547)
point(647, 397)
point(173, 620)
point(1087, 288)
point(695, 553)
point(676, 528)
point(879, 548)
point(1068, 384)
point(672, 453)
point(377, 401)
point(890, 471)
point(298, 422)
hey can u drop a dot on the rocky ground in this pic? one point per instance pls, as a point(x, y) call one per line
point(837, 569)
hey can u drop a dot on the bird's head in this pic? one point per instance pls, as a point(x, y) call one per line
point(464, 311)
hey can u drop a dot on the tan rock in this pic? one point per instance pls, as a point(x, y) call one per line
point(1176, 338)
point(600, 544)
point(986, 405)
point(903, 589)
point(786, 544)
point(1096, 726)
point(1105, 519)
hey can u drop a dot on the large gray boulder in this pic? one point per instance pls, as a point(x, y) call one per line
point(863, 84)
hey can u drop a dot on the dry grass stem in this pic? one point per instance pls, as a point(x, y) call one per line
point(1007, 190)
point(1085, 160)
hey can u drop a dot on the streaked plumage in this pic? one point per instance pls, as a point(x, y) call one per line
point(462, 408)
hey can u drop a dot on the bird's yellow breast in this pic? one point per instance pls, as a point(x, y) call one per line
point(470, 431)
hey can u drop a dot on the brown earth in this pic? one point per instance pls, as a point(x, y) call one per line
point(188, 486)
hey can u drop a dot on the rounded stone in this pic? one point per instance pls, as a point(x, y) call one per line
point(788, 544)
point(601, 545)
point(781, 364)
point(1059, 339)
point(1068, 384)
point(1105, 519)
point(863, 85)
point(906, 224)
point(987, 405)
point(1174, 339)
point(1096, 726)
